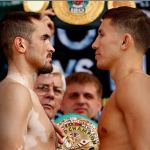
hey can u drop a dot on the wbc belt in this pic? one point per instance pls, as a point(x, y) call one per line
point(80, 133)
point(78, 12)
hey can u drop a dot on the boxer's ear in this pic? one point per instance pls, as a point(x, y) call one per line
point(19, 44)
point(127, 41)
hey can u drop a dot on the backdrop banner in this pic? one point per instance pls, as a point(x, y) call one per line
point(73, 42)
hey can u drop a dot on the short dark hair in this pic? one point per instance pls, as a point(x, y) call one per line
point(133, 21)
point(84, 78)
point(16, 24)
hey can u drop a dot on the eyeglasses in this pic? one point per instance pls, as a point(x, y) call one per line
point(43, 88)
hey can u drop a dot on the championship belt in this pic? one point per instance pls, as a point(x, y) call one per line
point(78, 12)
point(80, 133)
point(115, 4)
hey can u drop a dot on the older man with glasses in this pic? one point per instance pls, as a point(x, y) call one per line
point(50, 89)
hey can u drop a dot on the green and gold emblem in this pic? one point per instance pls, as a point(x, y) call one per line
point(78, 12)
point(80, 133)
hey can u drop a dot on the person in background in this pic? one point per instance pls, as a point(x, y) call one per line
point(59, 88)
point(44, 88)
point(25, 41)
point(50, 88)
point(83, 95)
point(123, 38)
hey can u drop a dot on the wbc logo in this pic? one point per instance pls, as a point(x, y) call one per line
point(77, 6)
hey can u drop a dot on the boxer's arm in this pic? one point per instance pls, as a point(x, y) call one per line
point(134, 101)
point(14, 109)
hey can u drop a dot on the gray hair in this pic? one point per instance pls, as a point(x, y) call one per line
point(57, 70)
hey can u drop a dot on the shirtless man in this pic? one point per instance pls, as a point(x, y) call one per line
point(123, 38)
point(24, 125)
